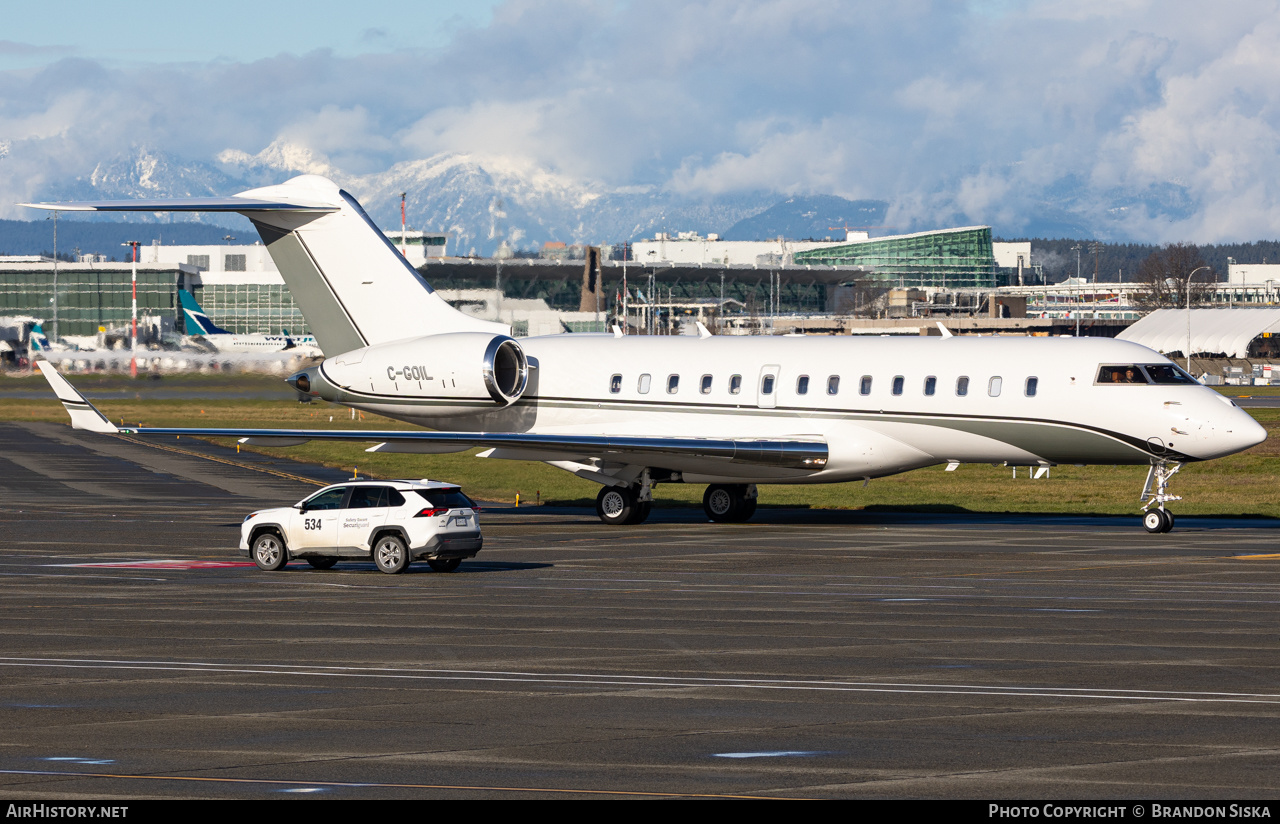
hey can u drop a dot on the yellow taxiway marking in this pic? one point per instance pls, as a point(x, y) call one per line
point(1255, 557)
point(223, 461)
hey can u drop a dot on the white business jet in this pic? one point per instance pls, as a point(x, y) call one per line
point(631, 411)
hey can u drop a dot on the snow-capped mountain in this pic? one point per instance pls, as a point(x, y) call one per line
point(478, 201)
point(482, 200)
point(145, 173)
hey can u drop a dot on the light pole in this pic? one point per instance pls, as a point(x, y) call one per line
point(54, 218)
point(133, 338)
point(1189, 277)
point(1076, 249)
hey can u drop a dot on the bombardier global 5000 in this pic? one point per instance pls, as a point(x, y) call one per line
point(631, 411)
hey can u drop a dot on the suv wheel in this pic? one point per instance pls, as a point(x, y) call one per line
point(269, 552)
point(390, 555)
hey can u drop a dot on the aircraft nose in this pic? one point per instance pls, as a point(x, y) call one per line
point(1247, 432)
point(1237, 432)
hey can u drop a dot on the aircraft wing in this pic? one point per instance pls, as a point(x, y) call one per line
point(703, 453)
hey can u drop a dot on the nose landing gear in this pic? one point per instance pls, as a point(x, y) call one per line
point(1156, 494)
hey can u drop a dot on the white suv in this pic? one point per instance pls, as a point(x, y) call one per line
point(394, 522)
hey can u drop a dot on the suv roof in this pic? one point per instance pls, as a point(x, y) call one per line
point(424, 483)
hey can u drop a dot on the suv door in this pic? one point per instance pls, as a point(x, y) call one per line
point(314, 526)
point(366, 510)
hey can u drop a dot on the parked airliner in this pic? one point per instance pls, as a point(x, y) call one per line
point(629, 412)
point(202, 326)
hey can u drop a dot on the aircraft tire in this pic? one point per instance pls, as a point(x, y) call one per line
point(641, 512)
point(1154, 521)
point(723, 502)
point(390, 555)
point(616, 505)
point(747, 510)
point(322, 563)
point(444, 564)
point(1168, 521)
point(269, 552)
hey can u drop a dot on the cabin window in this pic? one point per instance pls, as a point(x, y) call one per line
point(1167, 373)
point(1122, 373)
point(930, 385)
point(898, 381)
point(994, 385)
point(802, 385)
point(673, 384)
point(864, 386)
point(735, 384)
point(962, 385)
point(1032, 384)
point(706, 385)
point(833, 385)
point(766, 385)
point(615, 384)
point(642, 386)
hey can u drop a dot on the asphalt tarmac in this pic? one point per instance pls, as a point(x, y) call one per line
point(804, 655)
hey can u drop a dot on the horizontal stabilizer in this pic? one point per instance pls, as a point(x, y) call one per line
point(183, 204)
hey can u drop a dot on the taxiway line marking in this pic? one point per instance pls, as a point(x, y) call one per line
point(275, 472)
point(578, 680)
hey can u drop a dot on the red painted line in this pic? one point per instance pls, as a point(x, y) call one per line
point(165, 564)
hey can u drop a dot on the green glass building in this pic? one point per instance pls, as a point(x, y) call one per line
point(947, 259)
point(250, 308)
point(89, 297)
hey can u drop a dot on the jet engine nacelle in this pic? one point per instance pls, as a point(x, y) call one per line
point(458, 372)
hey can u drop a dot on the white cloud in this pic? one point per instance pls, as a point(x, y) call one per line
point(991, 112)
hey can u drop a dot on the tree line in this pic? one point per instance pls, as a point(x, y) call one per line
point(1120, 261)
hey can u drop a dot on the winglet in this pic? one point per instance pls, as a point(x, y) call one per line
point(703, 332)
point(946, 333)
point(83, 414)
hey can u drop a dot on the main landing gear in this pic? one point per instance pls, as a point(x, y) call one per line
point(730, 503)
point(630, 505)
point(621, 506)
point(1156, 494)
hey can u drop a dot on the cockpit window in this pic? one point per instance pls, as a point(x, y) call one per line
point(1123, 373)
point(1167, 373)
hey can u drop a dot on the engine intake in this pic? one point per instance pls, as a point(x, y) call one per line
point(506, 372)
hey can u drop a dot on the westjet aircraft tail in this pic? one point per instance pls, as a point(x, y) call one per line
point(37, 342)
point(198, 323)
point(353, 287)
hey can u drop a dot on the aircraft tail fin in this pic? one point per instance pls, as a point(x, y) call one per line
point(198, 323)
point(351, 284)
point(84, 415)
point(37, 342)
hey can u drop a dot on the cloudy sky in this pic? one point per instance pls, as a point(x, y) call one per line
point(1144, 120)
